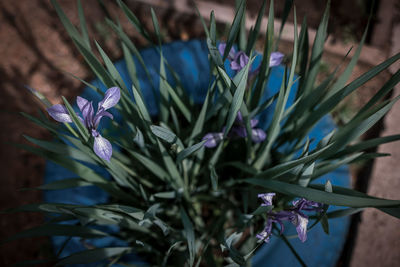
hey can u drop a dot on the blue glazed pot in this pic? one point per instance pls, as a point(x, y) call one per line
point(190, 61)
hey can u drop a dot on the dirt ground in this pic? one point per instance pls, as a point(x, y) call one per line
point(36, 51)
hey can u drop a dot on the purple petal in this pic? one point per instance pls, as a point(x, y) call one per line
point(267, 198)
point(88, 114)
point(213, 139)
point(240, 61)
point(275, 59)
point(111, 98)
point(239, 117)
point(239, 131)
point(221, 49)
point(301, 223)
point(266, 233)
point(59, 113)
point(102, 147)
point(258, 135)
point(81, 102)
point(253, 123)
point(100, 114)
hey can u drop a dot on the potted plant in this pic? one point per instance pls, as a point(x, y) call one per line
point(183, 174)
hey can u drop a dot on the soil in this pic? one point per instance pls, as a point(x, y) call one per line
point(36, 51)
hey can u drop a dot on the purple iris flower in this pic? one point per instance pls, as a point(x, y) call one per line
point(238, 130)
point(294, 215)
point(213, 139)
point(275, 59)
point(267, 198)
point(239, 59)
point(102, 147)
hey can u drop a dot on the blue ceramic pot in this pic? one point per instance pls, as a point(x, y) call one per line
point(190, 61)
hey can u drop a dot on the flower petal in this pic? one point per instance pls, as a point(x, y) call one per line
point(59, 113)
point(240, 61)
point(301, 223)
point(102, 147)
point(258, 135)
point(100, 114)
point(221, 49)
point(265, 235)
point(267, 198)
point(253, 123)
point(81, 102)
point(88, 114)
point(111, 98)
point(275, 59)
point(239, 131)
point(213, 139)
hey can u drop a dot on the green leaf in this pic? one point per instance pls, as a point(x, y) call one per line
point(189, 234)
point(285, 167)
point(164, 134)
point(275, 127)
point(153, 167)
point(95, 65)
point(237, 100)
point(111, 68)
point(286, 10)
point(166, 195)
point(93, 255)
point(214, 178)
point(82, 21)
point(317, 51)
point(264, 68)
point(64, 183)
point(171, 167)
point(325, 224)
point(60, 148)
point(156, 26)
point(341, 81)
point(141, 104)
point(189, 151)
point(254, 33)
point(322, 196)
point(164, 103)
point(134, 20)
point(235, 28)
point(332, 102)
point(364, 145)
point(177, 100)
point(72, 31)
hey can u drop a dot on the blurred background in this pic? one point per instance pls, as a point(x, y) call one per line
point(35, 50)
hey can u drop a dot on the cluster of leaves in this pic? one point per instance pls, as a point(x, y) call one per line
point(171, 195)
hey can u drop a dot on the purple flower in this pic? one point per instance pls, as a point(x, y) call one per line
point(267, 198)
point(265, 234)
point(308, 205)
point(275, 59)
point(239, 129)
point(221, 49)
point(301, 222)
point(102, 147)
point(213, 139)
point(294, 215)
point(239, 61)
